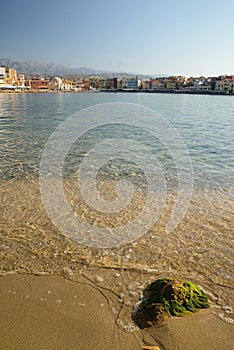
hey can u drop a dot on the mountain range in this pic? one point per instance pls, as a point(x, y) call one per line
point(32, 68)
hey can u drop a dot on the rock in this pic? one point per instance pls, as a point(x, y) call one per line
point(168, 297)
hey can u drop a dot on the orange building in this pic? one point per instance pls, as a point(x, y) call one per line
point(8, 76)
point(11, 76)
point(39, 83)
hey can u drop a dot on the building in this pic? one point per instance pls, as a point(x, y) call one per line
point(39, 83)
point(119, 84)
point(97, 83)
point(55, 84)
point(130, 83)
point(145, 84)
point(11, 76)
point(225, 85)
point(170, 85)
point(86, 84)
point(68, 87)
point(111, 84)
point(27, 83)
point(156, 84)
point(8, 77)
point(197, 84)
point(2, 75)
point(80, 84)
point(21, 80)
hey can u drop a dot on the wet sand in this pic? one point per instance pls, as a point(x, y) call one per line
point(51, 312)
point(200, 249)
point(58, 294)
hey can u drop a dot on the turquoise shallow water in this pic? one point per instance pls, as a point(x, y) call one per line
point(201, 246)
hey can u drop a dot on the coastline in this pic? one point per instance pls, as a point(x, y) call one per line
point(52, 312)
point(182, 92)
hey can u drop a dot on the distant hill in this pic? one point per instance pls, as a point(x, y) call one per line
point(32, 68)
point(45, 69)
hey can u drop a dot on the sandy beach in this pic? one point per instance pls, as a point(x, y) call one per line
point(59, 291)
point(51, 312)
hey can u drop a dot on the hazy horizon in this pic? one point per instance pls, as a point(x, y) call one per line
point(161, 74)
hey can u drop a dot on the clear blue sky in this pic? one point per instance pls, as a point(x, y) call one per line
point(186, 37)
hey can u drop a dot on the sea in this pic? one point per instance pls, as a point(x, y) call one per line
point(68, 158)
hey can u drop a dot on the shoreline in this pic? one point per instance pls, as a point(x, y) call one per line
point(51, 312)
point(175, 92)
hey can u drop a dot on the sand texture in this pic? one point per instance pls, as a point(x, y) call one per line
point(51, 312)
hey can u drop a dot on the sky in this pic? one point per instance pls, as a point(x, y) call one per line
point(180, 37)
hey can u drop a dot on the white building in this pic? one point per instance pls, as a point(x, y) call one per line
point(197, 84)
point(21, 80)
point(2, 75)
point(130, 83)
point(55, 84)
point(80, 84)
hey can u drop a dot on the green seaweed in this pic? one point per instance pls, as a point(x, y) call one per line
point(169, 297)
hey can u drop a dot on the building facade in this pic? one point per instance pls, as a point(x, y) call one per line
point(39, 83)
point(130, 83)
point(225, 85)
point(21, 80)
point(55, 84)
point(2, 75)
point(8, 76)
point(11, 76)
point(111, 84)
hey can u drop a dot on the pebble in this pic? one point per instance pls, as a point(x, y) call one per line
point(226, 319)
point(228, 309)
point(98, 279)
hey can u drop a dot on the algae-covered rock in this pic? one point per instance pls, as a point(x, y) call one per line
point(168, 297)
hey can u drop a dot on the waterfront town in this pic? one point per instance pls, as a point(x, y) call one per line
point(10, 80)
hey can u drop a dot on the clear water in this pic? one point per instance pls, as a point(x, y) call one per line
point(200, 248)
point(204, 122)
